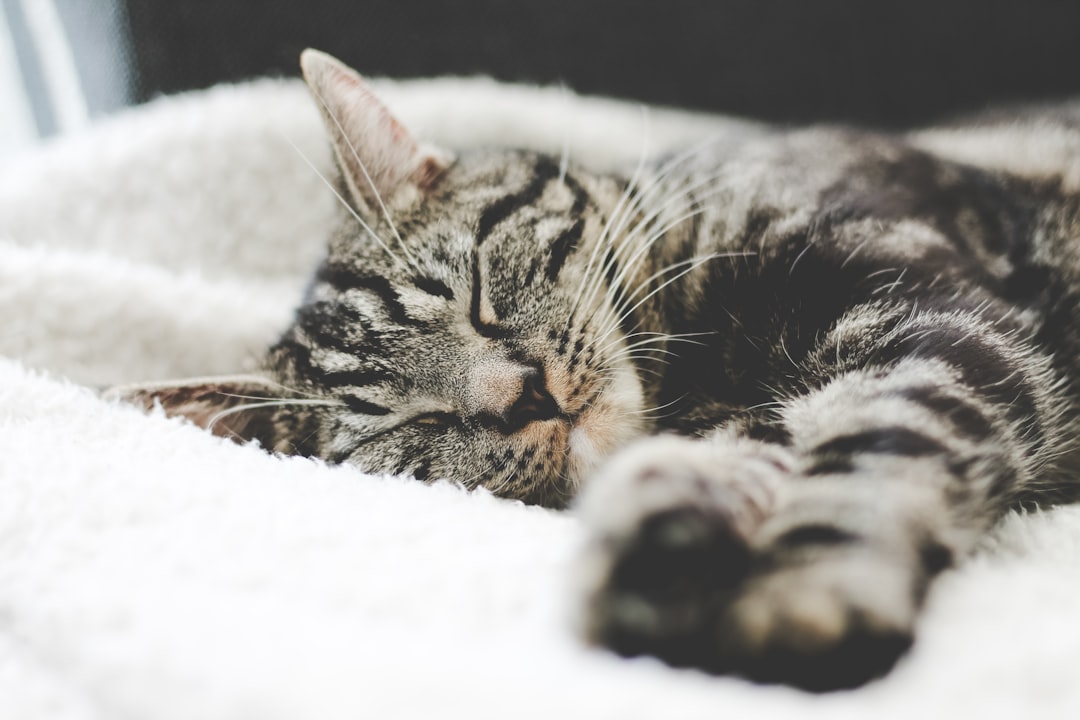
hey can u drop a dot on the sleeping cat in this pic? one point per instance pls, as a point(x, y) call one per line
point(787, 380)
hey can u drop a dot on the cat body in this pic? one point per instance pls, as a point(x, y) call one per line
point(791, 376)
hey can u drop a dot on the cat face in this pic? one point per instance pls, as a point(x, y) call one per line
point(460, 326)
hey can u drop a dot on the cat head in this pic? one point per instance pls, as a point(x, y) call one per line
point(460, 326)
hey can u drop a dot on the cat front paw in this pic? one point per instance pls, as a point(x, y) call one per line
point(697, 558)
point(833, 622)
point(671, 523)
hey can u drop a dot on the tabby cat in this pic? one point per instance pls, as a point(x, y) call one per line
point(792, 378)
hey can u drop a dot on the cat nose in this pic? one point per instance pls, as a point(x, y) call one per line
point(509, 394)
point(535, 402)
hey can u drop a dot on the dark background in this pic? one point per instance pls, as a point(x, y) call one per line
point(889, 64)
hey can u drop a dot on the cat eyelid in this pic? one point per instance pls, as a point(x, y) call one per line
point(433, 419)
point(436, 418)
point(433, 286)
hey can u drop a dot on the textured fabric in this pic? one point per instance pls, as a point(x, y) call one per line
point(151, 570)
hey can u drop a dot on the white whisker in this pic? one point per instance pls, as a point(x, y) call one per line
point(622, 314)
point(677, 194)
point(605, 236)
point(270, 403)
point(342, 200)
point(367, 178)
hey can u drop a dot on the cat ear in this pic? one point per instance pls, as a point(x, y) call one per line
point(377, 153)
point(239, 407)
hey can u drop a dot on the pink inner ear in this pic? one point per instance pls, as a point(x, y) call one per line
point(430, 169)
point(376, 151)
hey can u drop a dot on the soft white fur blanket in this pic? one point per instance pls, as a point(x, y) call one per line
point(150, 570)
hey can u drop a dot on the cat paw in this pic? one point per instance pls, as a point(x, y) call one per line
point(833, 622)
point(692, 560)
point(671, 522)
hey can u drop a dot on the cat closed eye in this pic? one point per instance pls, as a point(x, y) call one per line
point(434, 287)
point(436, 419)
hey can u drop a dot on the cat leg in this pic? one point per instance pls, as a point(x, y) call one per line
point(717, 556)
point(808, 563)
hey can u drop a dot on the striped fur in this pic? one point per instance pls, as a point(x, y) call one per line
point(853, 355)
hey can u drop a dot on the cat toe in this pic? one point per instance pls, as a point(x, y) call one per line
point(664, 585)
point(861, 653)
point(835, 622)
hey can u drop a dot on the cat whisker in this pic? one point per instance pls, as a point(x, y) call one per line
point(641, 353)
point(616, 289)
point(594, 275)
point(501, 486)
point(675, 194)
point(776, 404)
point(650, 413)
point(665, 203)
point(654, 184)
point(642, 350)
point(649, 356)
point(695, 262)
point(605, 235)
point(563, 493)
point(622, 313)
point(342, 200)
point(475, 480)
point(612, 372)
point(783, 347)
point(265, 404)
point(649, 240)
point(889, 288)
point(284, 387)
point(669, 336)
point(609, 326)
point(656, 339)
point(640, 359)
point(367, 178)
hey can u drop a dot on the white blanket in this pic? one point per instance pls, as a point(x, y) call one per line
point(150, 570)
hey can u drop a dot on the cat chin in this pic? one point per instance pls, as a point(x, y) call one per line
point(611, 421)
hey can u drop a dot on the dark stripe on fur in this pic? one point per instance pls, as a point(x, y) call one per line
point(434, 287)
point(892, 440)
point(485, 329)
point(344, 279)
point(335, 325)
point(563, 246)
point(581, 196)
point(299, 355)
point(967, 205)
point(364, 407)
point(544, 172)
point(965, 418)
point(981, 366)
point(831, 466)
point(422, 471)
point(611, 266)
point(355, 378)
point(815, 535)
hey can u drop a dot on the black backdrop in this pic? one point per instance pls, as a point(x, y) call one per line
point(884, 63)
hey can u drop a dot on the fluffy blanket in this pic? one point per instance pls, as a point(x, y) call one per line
point(151, 570)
